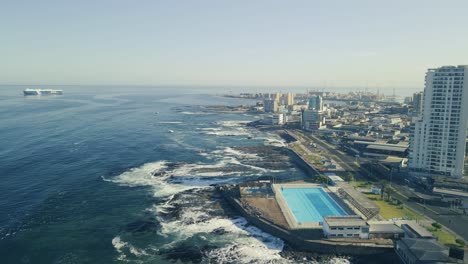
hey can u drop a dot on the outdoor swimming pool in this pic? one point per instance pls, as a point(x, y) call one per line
point(311, 204)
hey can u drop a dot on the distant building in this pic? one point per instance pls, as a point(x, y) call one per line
point(408, 100)
point(290, 99)
point(438, 134)
point(417, 102)
point(278, 97)
point(419, 251)
point(270, 106)
point(345, 227)
point(278, 119)
point(312, 119)
point(315, 103)
point(382, 150)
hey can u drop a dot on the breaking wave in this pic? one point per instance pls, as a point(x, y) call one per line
point(125, 248)
point(166, 178)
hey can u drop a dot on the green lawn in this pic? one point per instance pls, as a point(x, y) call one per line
point(388, 210)
point(361, 184)
point(444, 237)
point(317, 161)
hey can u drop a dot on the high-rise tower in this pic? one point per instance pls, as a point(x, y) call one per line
point(438, 134)
point(315, 103)
point(290, 99)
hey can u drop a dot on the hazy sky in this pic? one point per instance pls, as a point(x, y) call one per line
point(281, 43)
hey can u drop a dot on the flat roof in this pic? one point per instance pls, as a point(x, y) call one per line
point(384, 228)
point(425, 250)
point(415, 227)
point(389, 148)
point(401, 145)
point(393, 159)
point(450, 192)
point(357, 196)
point(335, 178)
point(345, 221)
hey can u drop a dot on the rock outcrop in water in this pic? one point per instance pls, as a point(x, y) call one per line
point(142, 226)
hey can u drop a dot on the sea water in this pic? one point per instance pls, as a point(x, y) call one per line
point(127, 174)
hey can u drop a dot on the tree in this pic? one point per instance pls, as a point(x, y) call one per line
point(348, 177)
point(389, 193)
point(321, 179)
point(383, 188)
point(460, 241)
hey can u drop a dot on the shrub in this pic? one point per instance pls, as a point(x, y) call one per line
point(460, 241)
point(436, 225)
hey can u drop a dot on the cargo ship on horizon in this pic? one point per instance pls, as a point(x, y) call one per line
point(30, 91)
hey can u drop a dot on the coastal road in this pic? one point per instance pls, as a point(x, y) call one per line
point(347, 162)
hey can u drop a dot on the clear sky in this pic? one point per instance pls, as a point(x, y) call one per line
point(257, 43)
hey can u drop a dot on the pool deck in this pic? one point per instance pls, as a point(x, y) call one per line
point(269, 208)
point(289, 215)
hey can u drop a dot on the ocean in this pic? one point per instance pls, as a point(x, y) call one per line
point(127, 175)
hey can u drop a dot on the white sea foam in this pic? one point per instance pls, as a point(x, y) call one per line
point(245, 244)
point(274, 141)
point(123, 247)
point(167, 181)
point(118, 244)
point(232, 123)
point(195, 113)
point(338, 261)
point(210, 128)
point(228, 128)
point(228, 133)
point(170, 122)
point(238, 153)
point(144, 176)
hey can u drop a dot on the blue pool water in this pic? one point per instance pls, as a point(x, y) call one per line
point(311, 204)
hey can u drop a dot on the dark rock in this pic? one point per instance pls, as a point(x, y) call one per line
point(142, 226)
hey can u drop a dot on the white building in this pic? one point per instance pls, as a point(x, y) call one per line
point(333, 178)
point(290, 99)
point(437, 141)
point(345, 227)
point(278, 119)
